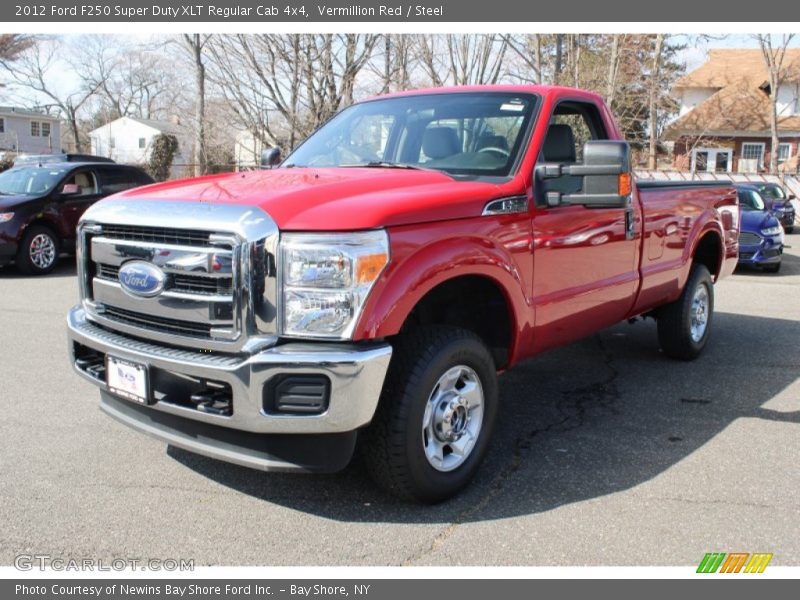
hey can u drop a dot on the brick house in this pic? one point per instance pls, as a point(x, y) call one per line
point(724, 123)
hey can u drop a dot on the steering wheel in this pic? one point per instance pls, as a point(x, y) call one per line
point(501, 151)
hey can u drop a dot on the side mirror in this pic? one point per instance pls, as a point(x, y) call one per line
point(70, 189)
point(791, 197)
point(605, 176)
point(270, 158)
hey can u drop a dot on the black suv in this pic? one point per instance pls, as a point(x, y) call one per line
point(41, 202)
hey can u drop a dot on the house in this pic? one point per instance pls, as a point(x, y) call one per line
point(724, 120)
point(247, 150)
point(130, 139)
point(28, 132)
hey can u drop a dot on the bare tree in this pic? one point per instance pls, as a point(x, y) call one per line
point(655, 85)
point(774, 59)
point(14, 44)
point(31, 73)
point(528, 50)
point(133, 81)
point(613, 68)
point(195, 43)
point(303, 79)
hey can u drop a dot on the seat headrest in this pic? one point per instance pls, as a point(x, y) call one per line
point(82, 180)
point(559, 144)
point(439, 142)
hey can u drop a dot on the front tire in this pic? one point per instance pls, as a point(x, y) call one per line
point(684, 325)
point(772, 268)
point(38, 252)
point(436, 415)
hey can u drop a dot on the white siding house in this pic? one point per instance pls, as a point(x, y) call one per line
point(247, 150)
point(28, 132)
point(129, 140)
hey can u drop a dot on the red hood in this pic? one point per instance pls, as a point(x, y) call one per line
point(336, 199)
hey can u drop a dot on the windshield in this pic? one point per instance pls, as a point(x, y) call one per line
point(773, 191)
point(751, 200)
point(29, 180)
point(458, 133)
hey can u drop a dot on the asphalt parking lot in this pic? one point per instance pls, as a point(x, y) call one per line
point(606, 453)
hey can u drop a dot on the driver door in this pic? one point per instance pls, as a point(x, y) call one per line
point(585, 259)
point(73, 205)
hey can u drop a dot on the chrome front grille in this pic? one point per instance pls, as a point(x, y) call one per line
point(158, 235)
point(151, 322)
point(749, 239)
point(220, 288)
point(186, 284)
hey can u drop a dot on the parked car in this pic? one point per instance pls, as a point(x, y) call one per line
point(779, 202)
point(42, 201)
point(761, 236)
point(379, 279)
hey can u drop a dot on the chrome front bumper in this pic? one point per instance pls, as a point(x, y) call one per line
point(356, 373)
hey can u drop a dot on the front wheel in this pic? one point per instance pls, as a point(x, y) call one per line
point(38, 252)
point(684, 325)
point(437, 411)
point(772, 268)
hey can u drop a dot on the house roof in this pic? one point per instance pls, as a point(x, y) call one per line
point(162, 126)
point(739, 105)
point(14, 111)
point(733, 66)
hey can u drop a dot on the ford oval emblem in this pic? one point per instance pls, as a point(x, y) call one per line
point(143, 279)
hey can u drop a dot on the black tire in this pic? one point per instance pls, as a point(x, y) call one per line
point(47, 260)
point(675, 319)
point(394, 444)
point(772, 268)
point(790, 229)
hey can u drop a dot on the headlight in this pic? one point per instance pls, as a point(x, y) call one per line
point(777, 229)
point(326, 278)
point(4, 217)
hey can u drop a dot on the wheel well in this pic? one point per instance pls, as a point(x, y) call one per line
point(474, 303)
point(43, 223)
point(707, 252)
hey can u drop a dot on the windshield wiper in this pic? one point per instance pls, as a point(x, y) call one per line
point(384, 164)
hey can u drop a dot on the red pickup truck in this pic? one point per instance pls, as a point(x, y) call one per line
point(376, 281)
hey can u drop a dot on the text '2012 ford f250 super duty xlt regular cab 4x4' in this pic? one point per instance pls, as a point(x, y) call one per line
point(376, 282)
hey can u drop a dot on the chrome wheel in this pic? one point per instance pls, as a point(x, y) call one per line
point(42, 251)
point(453, 418)
point(699, 313)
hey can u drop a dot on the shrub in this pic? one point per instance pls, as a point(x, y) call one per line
point(162, 153)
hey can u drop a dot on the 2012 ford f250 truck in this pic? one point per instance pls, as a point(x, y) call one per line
point(375, 283)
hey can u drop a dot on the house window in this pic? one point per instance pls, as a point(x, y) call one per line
point(2, 125)
point(784, 152)
point(45, 129)
point(752, 151)
point(142, 142)
point(36, 129)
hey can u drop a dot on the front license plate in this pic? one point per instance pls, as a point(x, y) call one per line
point(127, 379)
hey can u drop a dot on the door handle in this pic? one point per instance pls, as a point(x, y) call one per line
point(629, 224)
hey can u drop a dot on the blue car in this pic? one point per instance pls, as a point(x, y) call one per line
point(761, 234)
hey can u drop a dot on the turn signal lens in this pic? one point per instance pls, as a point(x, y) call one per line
point(625, 184)
point(370, 266)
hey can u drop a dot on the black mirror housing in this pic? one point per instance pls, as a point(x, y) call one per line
point(271, 157)
point(605, 174)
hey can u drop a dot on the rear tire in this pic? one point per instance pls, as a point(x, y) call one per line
point(790, 229)
point(685, 325)
point(39, 251)
point(436, 415)
point(773, 268)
